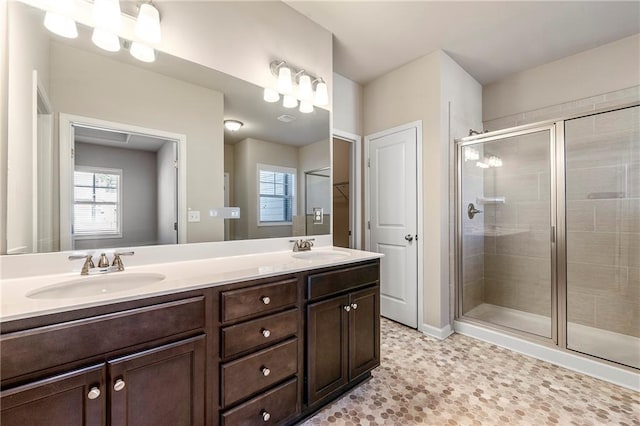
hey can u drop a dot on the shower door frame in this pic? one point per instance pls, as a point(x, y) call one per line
point(556, 147)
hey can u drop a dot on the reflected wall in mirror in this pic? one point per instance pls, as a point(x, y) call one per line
point(51, 78)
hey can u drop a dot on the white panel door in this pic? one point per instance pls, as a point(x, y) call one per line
point(393, 222)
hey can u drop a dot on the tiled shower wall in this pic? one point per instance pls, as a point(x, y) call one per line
point(603, 221)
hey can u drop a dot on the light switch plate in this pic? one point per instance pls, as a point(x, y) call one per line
point(225, 212)
point(194, 216)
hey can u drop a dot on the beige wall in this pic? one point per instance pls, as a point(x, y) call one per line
point(347, 105)
point(248, 153)
point(341, 169)
point(607, 68)
point(4, 103)
point(427, 89)
point(153, 101)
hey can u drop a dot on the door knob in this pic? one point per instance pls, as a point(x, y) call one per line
point(408, 237)
point(93, 393)
point(119, 385)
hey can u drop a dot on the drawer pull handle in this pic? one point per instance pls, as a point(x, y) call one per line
point(266, 333)
point(354, 306)
point(119, 385)
point(93, 393)
point(265, 416)
point(265, 371)
point(347, 308)
point(266, 300)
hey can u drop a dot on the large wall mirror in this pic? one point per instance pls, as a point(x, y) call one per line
point(106, 151)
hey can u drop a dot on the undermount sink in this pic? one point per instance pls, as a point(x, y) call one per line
point(96, 285)
point(320, 255)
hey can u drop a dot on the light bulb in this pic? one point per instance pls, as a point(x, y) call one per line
point(306, 107)
point(61, 25)
point(142, 52)
point(289, 101)
point(305, 91)
point(148, 24)
point(284, 80)
point(105, 40)
point(271, 95)
point(106, 15)
point(482, 165)
point(322, 93)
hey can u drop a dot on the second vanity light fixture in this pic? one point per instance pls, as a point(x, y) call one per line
point(296, 85)
point(107, 22)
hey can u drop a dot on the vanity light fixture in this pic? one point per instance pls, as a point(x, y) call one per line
point(271, 95)
point(106, 15)
point(305, 91)
point(306, 107)
point(58, 21)
point(285, 86)
point(322, 93)
point(289, 101)
point(148, 24)
point(142, 52)
point(233, 125)
point(105, 40)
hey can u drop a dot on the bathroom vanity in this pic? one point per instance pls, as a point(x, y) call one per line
point(249, 345)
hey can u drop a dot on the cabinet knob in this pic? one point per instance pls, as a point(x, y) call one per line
point(265, 371)
point(354, 306)
point(266, 333)
point(265, 416)
point(94, 393)
point(266, 300)
point(347, 308)
point(119, 385)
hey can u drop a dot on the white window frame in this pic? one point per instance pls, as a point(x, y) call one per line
point(101, 235)
point(294, 200)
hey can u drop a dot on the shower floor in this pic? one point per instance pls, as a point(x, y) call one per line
point(609, 345)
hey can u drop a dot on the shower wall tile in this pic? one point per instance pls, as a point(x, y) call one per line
point(621, 215)
point(473, 295)
point(619, 121)
point(515, 188)
point(531, 244)
point(521, 268)
point(631, 289)
point(596, 279)
point(633, 179)
point(501, 292)
point(472, 245)
point(581, 215)
point(604, 248)
point(535, 216)
point(473, 268)
point(618, 314)
point(527, 296)
point(583, 184)
point(581, 309)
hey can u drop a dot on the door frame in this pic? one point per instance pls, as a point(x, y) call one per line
point(67, 154)
point(355, 181)
point(419, 204)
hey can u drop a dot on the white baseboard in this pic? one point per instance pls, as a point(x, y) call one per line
point(438, 333)
point(600, 370)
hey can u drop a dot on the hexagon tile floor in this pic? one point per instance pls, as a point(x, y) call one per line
point(463, 381)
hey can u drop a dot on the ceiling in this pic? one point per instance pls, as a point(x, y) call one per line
point(490, 40)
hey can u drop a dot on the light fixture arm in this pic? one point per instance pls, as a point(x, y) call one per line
point(295, 72)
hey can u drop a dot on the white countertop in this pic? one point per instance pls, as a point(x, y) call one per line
point(179, 276)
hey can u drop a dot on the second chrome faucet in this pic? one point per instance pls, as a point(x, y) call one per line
point(89, 268)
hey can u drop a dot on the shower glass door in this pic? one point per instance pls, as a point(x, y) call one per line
point(602, 157)
point(505, 226)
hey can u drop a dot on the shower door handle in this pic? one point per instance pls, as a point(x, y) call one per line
point(408, 237)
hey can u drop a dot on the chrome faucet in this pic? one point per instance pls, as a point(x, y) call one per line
point(302, 245)
point(103, 263)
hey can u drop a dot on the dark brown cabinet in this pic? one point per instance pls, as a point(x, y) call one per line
point(74, 398)
point(343, 332)
point(164, 385)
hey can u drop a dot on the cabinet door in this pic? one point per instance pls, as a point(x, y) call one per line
point(161, 386)
point(364, 331)
point(70, 399)
point(327, 350)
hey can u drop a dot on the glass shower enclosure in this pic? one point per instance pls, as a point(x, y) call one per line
point(548, 233)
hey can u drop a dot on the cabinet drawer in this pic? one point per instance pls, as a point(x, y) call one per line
point(45, 347)
point(256, 300)
point(271, 407)
point(333, 282)
point(259, 332)
point(246, 376)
